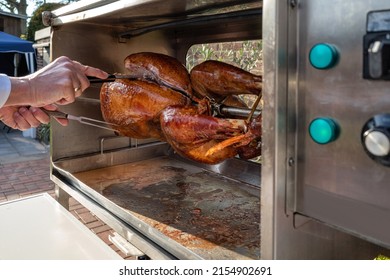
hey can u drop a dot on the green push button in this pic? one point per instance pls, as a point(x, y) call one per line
point(323, 56)
point(323, 130)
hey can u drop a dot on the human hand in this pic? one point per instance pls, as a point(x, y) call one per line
point(23, 118)
point(60, 82)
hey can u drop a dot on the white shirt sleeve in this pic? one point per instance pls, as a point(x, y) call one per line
point(5, 89)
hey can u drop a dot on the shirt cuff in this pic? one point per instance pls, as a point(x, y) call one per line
point(5, 89)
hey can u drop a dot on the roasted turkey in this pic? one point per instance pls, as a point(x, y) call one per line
point(208, 139)
point(135, 106)
point(165, 102)
point(161, 69)
point(218, 80)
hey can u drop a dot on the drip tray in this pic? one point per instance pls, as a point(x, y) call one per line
point(207, 213)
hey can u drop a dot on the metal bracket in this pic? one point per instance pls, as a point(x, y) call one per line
point(47, 18)
point(104, 139)
point(125, 246)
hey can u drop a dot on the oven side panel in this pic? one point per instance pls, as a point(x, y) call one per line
point(303, 183)
point(284, 235)
point(338, 182)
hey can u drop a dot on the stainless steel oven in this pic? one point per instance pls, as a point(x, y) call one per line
point(321, 190)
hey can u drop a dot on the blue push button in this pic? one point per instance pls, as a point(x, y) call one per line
point(323, 56)
point(323, 130)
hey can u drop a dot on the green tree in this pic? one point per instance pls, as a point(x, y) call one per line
point(20, 6)
point(36, 19)
point(15, 7)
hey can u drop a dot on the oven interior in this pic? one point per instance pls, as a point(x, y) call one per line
point(303, 200)
point(157, 200)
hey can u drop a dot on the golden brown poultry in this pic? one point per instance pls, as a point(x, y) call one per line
point(208, 139)
point(219, 80)
point(146, 108)
point(135, 106)
point(160, 68)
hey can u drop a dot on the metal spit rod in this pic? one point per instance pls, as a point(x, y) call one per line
point(235, 111)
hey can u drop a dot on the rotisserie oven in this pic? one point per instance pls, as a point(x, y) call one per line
point(282, 177)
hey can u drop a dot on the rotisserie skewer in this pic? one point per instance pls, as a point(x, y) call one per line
point(83, 120)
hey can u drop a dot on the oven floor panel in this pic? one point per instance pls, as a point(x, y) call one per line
point(214, 216)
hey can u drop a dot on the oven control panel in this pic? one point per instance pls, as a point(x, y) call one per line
point(376, 138)
point(377, 46)
point(343, 115)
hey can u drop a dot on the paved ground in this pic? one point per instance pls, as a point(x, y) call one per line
point(25, 171)
point(16, 148)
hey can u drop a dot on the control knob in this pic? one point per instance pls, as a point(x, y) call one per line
point(376, 138)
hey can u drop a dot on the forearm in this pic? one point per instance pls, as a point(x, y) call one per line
point(60, 82)
point(5, 89)
point(14, 91)
point(20, 92)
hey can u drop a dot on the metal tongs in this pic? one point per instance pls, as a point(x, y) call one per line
point(83, 120)
point(110, 78)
